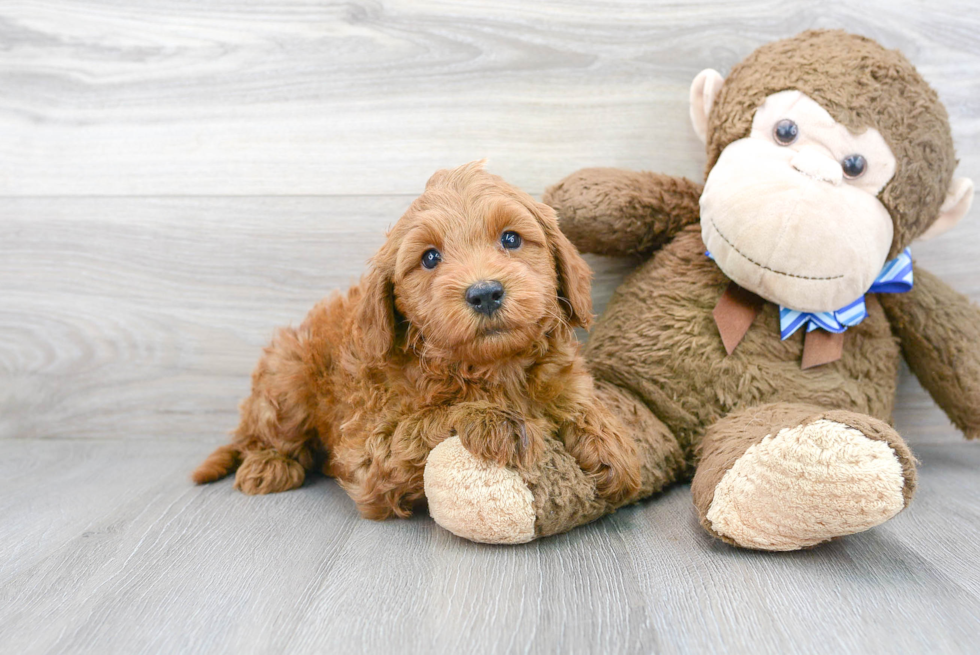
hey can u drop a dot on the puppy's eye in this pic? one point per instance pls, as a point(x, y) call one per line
point(431, 258)
point(854, 166)
point(785, 132)
point(510, 240)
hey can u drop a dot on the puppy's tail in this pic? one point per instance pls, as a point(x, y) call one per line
point(220, 463)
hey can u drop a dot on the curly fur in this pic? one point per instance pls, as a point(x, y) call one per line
point(374, 379)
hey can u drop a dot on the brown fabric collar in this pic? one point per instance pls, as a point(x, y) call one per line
point(736, 310)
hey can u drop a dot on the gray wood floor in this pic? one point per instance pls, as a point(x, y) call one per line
point(178, 177)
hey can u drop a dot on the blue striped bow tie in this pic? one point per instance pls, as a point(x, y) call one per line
point(895, 277)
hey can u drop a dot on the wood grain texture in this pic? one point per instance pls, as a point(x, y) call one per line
point(123, 555)
point(251, 97)
point(180, 177)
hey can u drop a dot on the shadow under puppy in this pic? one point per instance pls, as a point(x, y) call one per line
point(463, 325)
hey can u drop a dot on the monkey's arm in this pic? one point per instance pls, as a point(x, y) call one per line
point(940, 334)
point(610, 211)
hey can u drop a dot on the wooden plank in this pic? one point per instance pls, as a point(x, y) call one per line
point(55, 491)
point(265, 97)
point(144, 562)
point(145, 317)
point(142, 318)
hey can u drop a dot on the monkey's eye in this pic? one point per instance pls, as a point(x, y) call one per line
point(785, 132)
point(431, 258)
point(854, 166)
point(510, 240)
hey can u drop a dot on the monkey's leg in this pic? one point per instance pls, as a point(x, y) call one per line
point(492, 504)
point(789, 476)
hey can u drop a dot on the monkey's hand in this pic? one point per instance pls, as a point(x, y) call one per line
point(940, 334)
point(495, 434)
point(610, 211)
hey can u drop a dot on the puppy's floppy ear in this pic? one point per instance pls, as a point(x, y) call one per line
point(375, 317)
point(574, 275)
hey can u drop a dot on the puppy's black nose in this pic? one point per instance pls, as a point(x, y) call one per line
point(485, 296)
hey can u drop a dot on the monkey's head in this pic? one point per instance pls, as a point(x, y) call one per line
point(827, 156)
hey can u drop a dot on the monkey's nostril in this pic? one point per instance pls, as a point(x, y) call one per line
point(485, 296)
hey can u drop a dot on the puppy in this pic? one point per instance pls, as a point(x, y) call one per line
point(462, 326)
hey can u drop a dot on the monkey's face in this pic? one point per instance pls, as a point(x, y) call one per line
point(792, 213)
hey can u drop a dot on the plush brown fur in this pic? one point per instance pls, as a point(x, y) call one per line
point(563, 494)
point(940, 337)
point(374, 379)
point(657, 342)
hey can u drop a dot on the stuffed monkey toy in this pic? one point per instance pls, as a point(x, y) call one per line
point(757, 347)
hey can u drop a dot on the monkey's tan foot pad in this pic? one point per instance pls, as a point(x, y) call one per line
point(805, 485)
point(477, 500)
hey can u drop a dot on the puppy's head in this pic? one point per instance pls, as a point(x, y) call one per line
point(475, 271)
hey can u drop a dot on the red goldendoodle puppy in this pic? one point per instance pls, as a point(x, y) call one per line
point(463, 325)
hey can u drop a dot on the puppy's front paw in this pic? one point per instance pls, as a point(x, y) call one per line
point(603, 452)
point(617, 481)
point(498, 435)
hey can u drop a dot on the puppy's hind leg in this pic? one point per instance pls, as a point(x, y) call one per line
point(272, 448)
point(220, 463)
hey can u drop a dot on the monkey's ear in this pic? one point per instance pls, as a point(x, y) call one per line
point(957, 204)
point(704, 90)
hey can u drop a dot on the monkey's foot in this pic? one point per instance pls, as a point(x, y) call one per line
point(803, 485)
point(477, 500)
